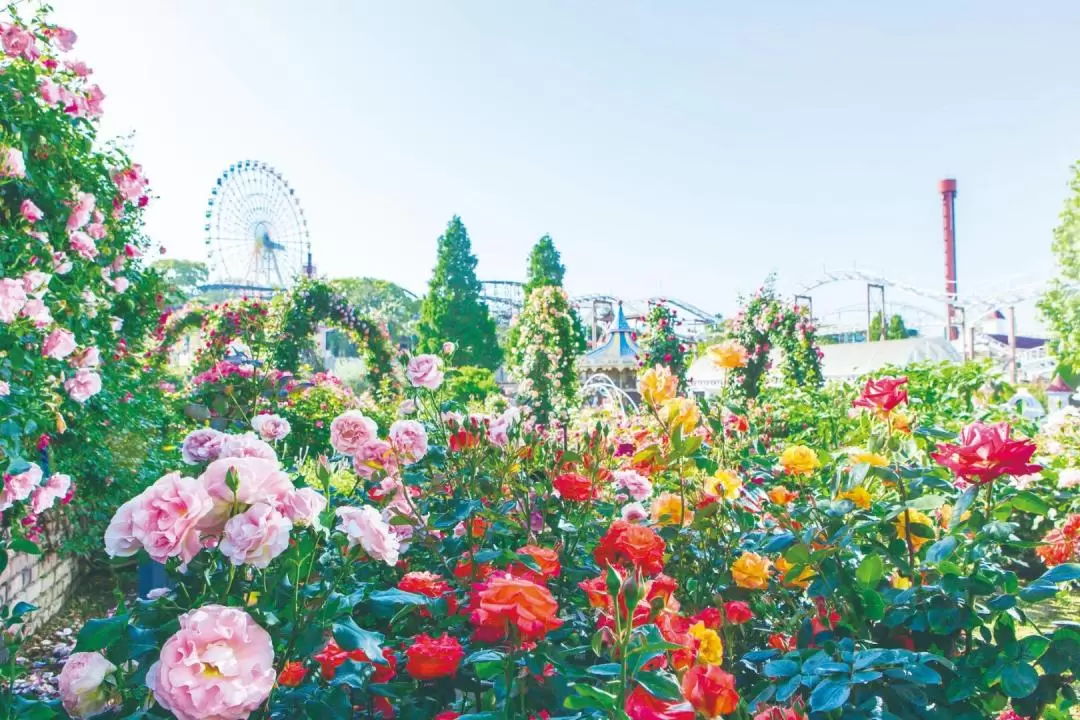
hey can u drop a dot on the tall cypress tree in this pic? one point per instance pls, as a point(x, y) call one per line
point(453, 310)
point(545, 266)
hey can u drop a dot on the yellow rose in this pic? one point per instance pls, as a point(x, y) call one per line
point(751, 571)
point(799, 460)
point(944, 516)
point(901, 421)
point(723, 484)
point(657, 385)
point(667, 509)
point(917, 518)
point(859, 496)
point(682, 413)
point(727, 355)
point(900, 582)
point(857, 457)
point(710, 646)
point(803, 579)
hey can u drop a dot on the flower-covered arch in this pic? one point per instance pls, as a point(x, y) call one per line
point(766, 322)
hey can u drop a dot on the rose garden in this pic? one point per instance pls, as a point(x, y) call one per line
point(903, 546)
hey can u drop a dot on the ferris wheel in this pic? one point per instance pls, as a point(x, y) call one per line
point(256, 234)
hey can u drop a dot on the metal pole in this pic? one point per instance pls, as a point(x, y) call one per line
point(1011, 315)
point(971, 340)
point(963, 331)
point(809, 303)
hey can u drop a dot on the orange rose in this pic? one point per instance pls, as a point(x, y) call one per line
point(728, 355)
point(667, 509)
point(803, 579)
point(751, 571)
point(545, 558)
point(292, 674)
point(657, 385)
point(625, 542)
point(506, 602)
point(432, 658)
point(781, 495)
point(710, 690)
point(429, 585)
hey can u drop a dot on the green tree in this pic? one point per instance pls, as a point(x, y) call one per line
point(895, 329)
point(453, 310)
point(1060, 306)
point(660, 342)
point(543, 358)
point(545, 266)
point(384, 302)
point(471, 384)
point(184, 277)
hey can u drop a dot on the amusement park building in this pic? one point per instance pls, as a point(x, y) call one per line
point(616, 358)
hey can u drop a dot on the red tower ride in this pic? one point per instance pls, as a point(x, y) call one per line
point(947, 188)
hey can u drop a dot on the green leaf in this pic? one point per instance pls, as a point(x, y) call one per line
point(25, 546)
point(829, 695)
point(660, 685)
point(1032, 647)
point(780, 668)
point(1060, 573)
point(963, 504)
point(21, 609)
point(101, 633)
point(589, 697)
point(1028, 501)
point(873, 604)
point(605, 670)
point(1019, 680)
point(926, 502)
point(942, 549)
point(870, 571)
point(350, 636)
point(798, 555)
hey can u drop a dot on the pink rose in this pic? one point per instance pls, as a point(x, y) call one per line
point(65, 39)
point(120, 540)
point(409, 440)
point(12, 164)
point(131, 182)
point(59, 344)
point(18, 487)
point(45, 496)
point(407, 407)
point(31, 213)
point(88, 358)
point(635, 484)
point(255, 536)
point(5, 388)
point(49, 91)
point(36, 282)
point(303, 506)
point(364, 526)
point(423, 371)
point(218, 666)
point(82, 211)
point(12, 299)
point(78, 67)
point(201, 445)
point(350, 430)
point(448, 348)
point(166, 516)
point(94, 96)
point(83, 244)
point(374, 455)
point(83, 690)
point(95, 230)
point(61, 264)
point(37, 312)
point(258, 480)
point(498, 432)
point(84, 385)
point(634, 512)
point(247, 445)
point(1069, 478)
point(18, 41)
point(271, 427)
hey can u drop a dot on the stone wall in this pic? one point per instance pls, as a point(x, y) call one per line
point(42, 580)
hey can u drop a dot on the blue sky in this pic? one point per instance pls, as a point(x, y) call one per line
point(679, 148)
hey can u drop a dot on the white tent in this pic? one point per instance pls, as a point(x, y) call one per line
point(846, 361)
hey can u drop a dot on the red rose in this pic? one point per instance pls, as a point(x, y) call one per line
point(738, 612)
point(662, 587)
point(883, 394)
point(710, 690)
point(292, 674)
point(431, 658)
point(572, 486)
point(463, 440)
point(506, 602)
point(447, 715)
point(332, 656)
point(596, 592)
point(676, 630)
point(736, 423)
point(429, 585)
point(636, 544)
point(641, 705)
point(546, 559)
point(986, 452)
point(710, 617)
point(464, 569)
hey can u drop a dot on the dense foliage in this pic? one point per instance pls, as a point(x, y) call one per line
point(1060, 306)
point(452, 310)
point(543, 358)
point(660, 343)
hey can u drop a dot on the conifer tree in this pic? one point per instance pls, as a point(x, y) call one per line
point(452, 310)
point(545, 266)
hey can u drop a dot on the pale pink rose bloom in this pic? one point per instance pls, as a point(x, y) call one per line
point(409, 440)
point(121, 284)
point(18, 41)
point(12, 164)
point(459, 530)
point(65, 39)
point(117, 324)
point(88, 358)
point(303, 506)
point(95, 231)
point(82, 686)
point(18, 487)
point(83, 244)
point(31, 213)
point(256, 536)
point(453, 419)
point(350, 430)
point(407, 407)
point(165, 520)
point(636, 484)
point(131, 182)
point(5, 388)
point(61, 264)
point(59, 344)
point(364, 526)
point(78, 67)
point(423, 371)
point(82, 211)
point(448, 348)
point(258, 481)
point(45, 496)
point(49, 91)
point(271, 427)
point(218, 666)
point(36, 282)
point(120, 540)
point(498, 432)
point(94, 96)
point(12, 299)
point(247, 445)
point(374, 455)
point(84, 385)
point(1069, 478)
point(202, 445)
point(634, 512)
point(38, 312)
